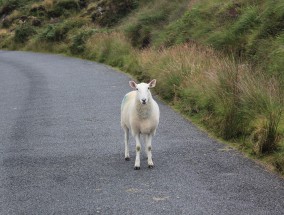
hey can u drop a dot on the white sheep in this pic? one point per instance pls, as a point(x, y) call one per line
point(140, 113)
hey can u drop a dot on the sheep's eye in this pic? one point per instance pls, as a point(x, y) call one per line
point(136, 88)
point(148, 88)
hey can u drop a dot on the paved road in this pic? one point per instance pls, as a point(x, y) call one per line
point(62, 152)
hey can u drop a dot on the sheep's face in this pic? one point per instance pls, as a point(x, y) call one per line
point(143, 90)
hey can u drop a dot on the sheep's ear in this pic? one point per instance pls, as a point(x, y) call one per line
point(133, 84)
point(152, 83)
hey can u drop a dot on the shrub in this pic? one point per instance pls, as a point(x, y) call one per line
point(23, 32)
point(54, 33)
point(140, 33)
point(6, 23)
point(108, 13)
point(58, 32)
point(64, 7)
point(38, 10)
point(78, 42)
point(67, 4)
point(8, 6)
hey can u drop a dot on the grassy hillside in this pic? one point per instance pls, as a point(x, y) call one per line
point(218, 62)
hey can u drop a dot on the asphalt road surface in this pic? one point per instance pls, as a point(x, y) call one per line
point(62, 151)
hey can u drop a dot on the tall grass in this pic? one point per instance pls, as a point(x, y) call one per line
point(262, 103)
point(229, 99)
point(114, 49)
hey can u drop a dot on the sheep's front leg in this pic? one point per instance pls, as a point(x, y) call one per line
point(148, 140)
point(138, 150)
point(126, 143)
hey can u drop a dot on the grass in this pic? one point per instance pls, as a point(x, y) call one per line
point(247, 29)
point(143, 27)
point(229, 99)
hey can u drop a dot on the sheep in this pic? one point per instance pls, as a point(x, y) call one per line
point(140, 114)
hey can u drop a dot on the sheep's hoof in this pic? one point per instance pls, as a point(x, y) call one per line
point(137, 167)
point(127, 159)
point(150, 166)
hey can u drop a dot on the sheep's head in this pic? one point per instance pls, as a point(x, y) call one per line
point(143, 90)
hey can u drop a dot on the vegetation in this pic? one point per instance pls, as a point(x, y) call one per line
point(218, 62)
point(23, 32)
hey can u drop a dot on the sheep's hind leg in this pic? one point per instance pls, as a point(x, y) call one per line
point(148, 140)
point(138, 150)
point(126, 143)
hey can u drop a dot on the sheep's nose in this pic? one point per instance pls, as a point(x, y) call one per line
point(143, 101)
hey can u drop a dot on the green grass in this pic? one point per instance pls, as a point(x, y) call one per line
point(251, 31)
point(143, 26)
